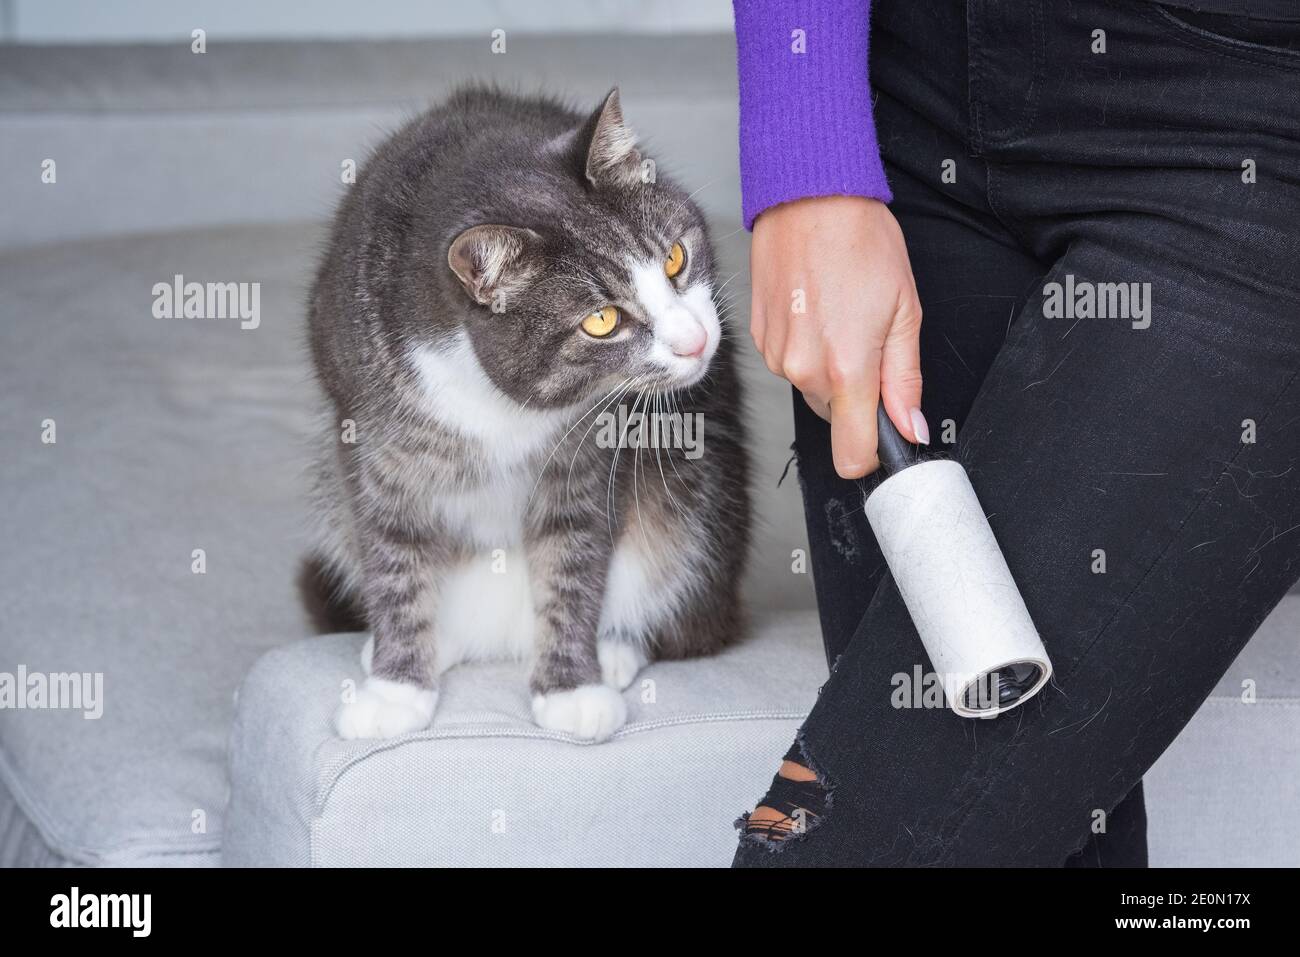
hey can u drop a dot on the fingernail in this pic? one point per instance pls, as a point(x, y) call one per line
point(919, 427)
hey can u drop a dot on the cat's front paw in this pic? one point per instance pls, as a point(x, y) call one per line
point(385, 709)
point(591, 712)
point(619, 662)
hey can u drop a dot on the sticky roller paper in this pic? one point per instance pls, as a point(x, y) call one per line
point(952, 575)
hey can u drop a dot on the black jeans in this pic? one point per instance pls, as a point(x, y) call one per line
point(1141, 470)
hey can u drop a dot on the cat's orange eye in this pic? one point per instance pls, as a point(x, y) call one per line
point(675, 261)
point(601, 323)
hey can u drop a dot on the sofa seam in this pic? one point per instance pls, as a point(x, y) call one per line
point(78, 853)
point(486, 731)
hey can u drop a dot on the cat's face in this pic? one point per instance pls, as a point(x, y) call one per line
point(607, 279)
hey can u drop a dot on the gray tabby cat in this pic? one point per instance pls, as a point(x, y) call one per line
point(502, 273)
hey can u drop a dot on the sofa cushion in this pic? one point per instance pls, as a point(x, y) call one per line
point(486, 787)
point(170, 436)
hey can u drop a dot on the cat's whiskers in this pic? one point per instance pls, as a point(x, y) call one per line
point(636, 459)
point(542, 471)
point(660, 401)
point(610, 513)
point(672, 398)
point(682, 204)
point(719, 289)
point(568, 483)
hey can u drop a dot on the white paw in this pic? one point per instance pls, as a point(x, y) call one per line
point(591, 712)
point(385, 709)
point(619, 663)
point(367, 654)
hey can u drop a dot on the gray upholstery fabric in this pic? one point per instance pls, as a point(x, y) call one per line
point(486, 786)
point(171, 436)
point(1226, 792)
point(21, 844)
point(255, 132)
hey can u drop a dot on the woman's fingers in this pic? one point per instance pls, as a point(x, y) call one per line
point(834, 312)
point(853, 432)
point(818, 405)
point(900, 376)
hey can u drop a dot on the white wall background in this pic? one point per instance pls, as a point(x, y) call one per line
point(135, 21)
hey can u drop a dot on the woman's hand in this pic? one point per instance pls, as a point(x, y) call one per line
point(835, 312)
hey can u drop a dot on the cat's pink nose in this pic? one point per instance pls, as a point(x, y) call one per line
point(691, 346)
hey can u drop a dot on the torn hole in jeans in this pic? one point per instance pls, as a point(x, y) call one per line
point(800, 805)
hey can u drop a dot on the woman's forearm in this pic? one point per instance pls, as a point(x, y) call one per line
point(805, 102)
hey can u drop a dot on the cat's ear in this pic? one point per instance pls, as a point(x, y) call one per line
point(493, 261)
point(611, 157)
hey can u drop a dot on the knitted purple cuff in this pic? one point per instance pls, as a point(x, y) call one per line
point(805, 102)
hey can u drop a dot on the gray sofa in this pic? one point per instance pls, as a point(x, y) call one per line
point(176, 435)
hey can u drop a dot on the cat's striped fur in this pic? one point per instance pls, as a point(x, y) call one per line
point(464, 503)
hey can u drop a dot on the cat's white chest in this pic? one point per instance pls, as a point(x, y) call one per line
point(461, 397)
point(508, 439)
point(485, 610)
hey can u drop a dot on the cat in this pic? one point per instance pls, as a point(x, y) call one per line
point(503, 277)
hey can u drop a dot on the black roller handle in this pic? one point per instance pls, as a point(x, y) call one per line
point(895, 452)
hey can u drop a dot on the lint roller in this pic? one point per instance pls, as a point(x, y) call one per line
point(947, 565)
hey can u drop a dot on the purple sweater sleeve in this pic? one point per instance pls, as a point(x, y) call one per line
point(805, 116)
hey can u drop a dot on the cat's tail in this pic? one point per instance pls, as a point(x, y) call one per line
point(330, 607)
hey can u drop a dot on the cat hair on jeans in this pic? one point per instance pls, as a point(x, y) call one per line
point(477, 492)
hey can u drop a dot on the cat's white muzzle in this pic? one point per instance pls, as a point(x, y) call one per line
point(686, 371)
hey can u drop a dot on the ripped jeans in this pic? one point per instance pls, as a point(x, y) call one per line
point(1107, 250)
